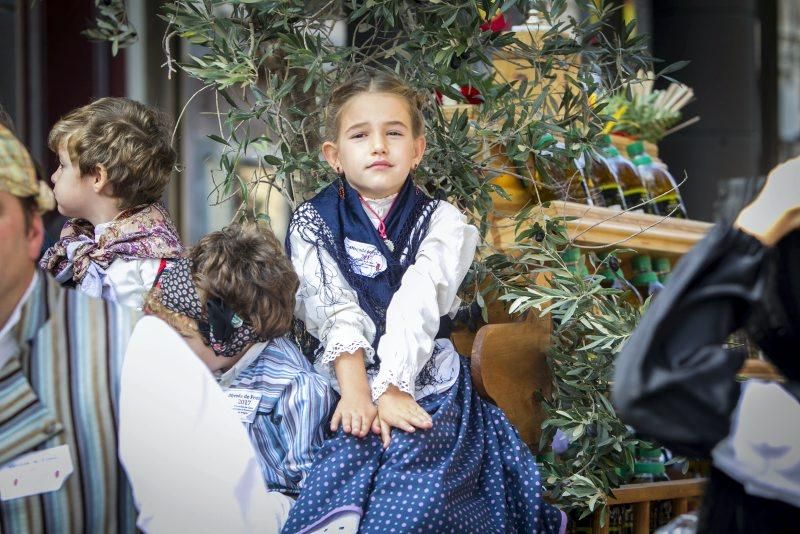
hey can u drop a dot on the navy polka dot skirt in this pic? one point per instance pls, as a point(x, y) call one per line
point(470, 473)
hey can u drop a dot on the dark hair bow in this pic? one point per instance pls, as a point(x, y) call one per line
point(224, 331)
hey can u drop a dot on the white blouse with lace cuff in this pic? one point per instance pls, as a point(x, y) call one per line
point(427, 291)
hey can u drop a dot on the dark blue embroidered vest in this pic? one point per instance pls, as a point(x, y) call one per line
point(327, 219)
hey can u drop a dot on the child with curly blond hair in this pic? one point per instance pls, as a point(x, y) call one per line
point(115, 160)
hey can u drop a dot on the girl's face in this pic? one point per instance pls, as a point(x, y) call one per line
point(375, 147)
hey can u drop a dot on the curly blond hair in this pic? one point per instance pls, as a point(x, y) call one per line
point(245, 266)
point(131, 140)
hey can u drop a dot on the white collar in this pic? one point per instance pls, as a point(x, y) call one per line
point(8, 345)
point(380, 205)
point(227, 378)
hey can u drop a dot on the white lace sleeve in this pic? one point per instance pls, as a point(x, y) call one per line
point(327, 304)
point(427, 291)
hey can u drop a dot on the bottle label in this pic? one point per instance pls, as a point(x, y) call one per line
point(609, 196)
point(635, 198)
point(670, 205)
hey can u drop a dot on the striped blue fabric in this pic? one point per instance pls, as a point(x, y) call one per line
point(62, 388)
point(296, 404)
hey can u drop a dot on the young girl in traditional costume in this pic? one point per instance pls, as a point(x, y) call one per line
point(380, 264)
point(115, 160)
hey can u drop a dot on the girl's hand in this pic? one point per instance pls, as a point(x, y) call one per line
point(356, 413)
point(776, 210)
point(355, 410)
point(399, 410)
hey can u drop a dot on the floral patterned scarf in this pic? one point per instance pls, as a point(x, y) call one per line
point(143, 232)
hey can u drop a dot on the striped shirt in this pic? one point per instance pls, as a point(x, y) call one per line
point(61, 388)
point(296, 404)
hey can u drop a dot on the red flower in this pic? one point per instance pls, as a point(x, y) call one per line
point(471, 95)
point(497, 24)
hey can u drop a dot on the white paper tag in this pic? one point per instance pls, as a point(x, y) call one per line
point(365, 258)
point(35, 472)
point(244, 402)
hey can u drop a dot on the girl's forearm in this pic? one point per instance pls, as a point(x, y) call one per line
point(351, 372)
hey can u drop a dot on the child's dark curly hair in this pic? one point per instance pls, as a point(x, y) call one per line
point(245, 266)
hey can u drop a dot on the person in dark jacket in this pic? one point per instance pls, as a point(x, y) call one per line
point(675, 382)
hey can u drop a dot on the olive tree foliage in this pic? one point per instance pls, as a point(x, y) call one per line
point(273, 64)
point(591, 323)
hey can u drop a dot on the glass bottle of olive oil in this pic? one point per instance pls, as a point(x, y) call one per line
point(557, 174)
point(605, 187)
point(660, 184)
point(634, 193)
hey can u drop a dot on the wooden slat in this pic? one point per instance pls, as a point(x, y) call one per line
point(679, 506)
point(658, 491)
point(509, 367)
point(641, 517)
point(601, 226)
point(496, 312)
point(597, 528)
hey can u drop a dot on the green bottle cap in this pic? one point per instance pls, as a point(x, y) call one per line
point(611, 151)
point(605, 140)
point(646, 278)
point(635, 149)
point(647, 452)
point(571, 255)
point(662, 265)
point(624, 472)
point(643, 159)
point(642, 263)
point(610, 275)
point(648, 468)
point(606, 271)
